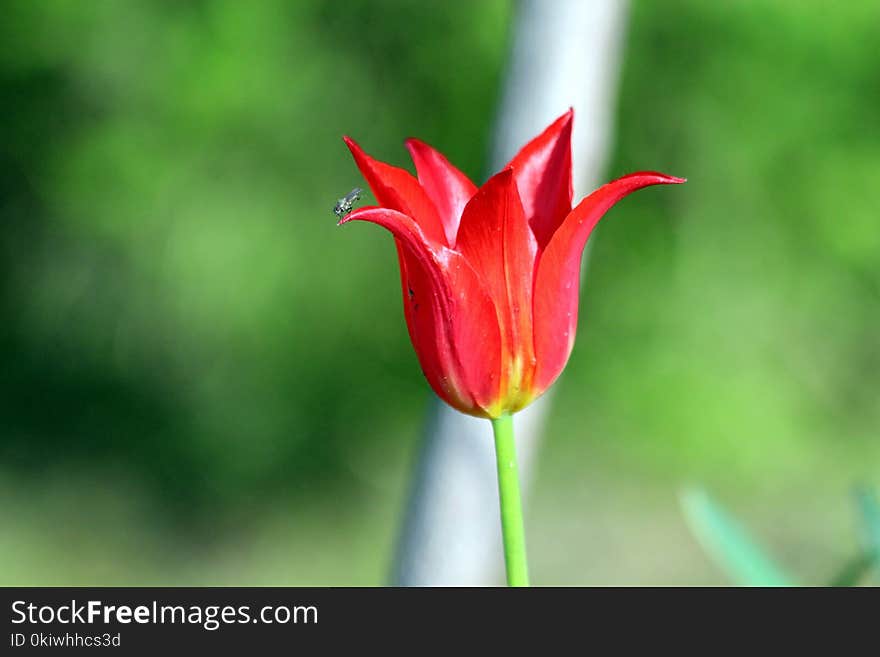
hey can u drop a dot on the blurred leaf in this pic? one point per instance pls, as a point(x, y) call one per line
point(728, 544)
point(854, 570)
point(869, 509)
point(869, 512)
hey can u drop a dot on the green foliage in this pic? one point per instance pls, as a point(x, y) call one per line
point(179, 300)
point(730, 325)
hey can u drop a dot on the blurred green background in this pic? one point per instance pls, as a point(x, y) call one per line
point(205, 382)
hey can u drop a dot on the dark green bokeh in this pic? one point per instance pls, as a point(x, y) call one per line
point(206, 382)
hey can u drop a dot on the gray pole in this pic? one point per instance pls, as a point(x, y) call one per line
point(565, 53)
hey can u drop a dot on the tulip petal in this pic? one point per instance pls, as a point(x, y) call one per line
point(543, 175)
point(495, 239)
point(446, 186)
point(399, 190)
point(451, 319)
point(558, 273)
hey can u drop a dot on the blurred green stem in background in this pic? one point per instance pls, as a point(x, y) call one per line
point(511, 505)
point(728, 543)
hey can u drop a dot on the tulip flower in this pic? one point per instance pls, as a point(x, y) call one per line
point(490, 277)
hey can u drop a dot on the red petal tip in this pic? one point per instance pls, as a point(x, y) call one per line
point(501, 176)
point(661, 177)
point(356, 214)
point(566, 118)
point(413, 145)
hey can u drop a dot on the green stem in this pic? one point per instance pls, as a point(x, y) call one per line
point(511, 504)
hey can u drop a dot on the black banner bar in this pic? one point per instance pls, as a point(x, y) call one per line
point(269, 620)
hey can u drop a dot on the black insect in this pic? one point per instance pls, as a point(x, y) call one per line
point(346, 203)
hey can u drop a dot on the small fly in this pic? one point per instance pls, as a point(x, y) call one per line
point(346, 203)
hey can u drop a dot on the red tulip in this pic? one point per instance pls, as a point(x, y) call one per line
point(490, 275)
